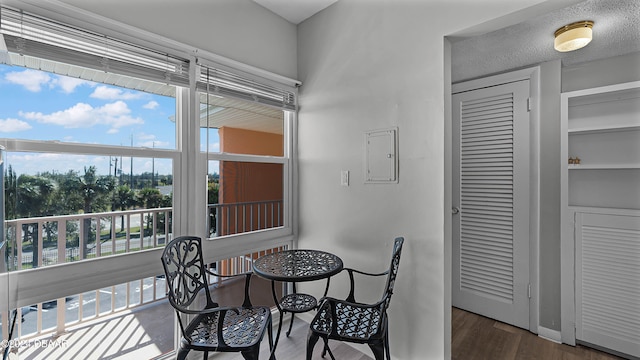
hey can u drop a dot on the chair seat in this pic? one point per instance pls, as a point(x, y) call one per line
point(214, 328)
point(241, 330)
point(352, 322)
point(298, 302)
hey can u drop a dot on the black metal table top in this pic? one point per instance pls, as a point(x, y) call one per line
point(297, 265)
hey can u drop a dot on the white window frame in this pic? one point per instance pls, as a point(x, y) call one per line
point(288, 189)
point(72, 278)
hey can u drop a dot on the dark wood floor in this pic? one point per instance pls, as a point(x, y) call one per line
point(474, 337)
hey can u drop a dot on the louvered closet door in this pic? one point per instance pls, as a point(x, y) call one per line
point(608, 280)
point(490, 274)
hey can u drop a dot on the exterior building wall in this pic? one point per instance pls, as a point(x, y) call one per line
point(250, 182)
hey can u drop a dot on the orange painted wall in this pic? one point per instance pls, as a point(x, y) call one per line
point(240, 141)
point(247, 182)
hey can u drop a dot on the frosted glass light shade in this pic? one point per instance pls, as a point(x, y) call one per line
point(573, 36)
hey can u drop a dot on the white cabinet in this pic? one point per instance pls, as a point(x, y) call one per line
point(600, 202)
point(608, 278)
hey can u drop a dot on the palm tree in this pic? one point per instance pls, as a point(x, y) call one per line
point(34, 198)
point(10, 189)
point(149, 198)
point(124, 198)
point(93, 191)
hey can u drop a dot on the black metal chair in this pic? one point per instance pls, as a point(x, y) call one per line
point(214, 328)
point(350, 321)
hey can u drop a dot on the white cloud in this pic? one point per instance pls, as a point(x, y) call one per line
point(144, 136)
point(32, 80)
point(13, 125)
point(81, 115)
point(213, 147)
point(151, 105)
point(110, 93)
point(35, 80)
point(150, 141)
point(68, 84)
point(154, 144)
point(32, 163)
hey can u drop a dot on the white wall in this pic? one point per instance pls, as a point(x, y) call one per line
point(240, 30)
point(609, 71)
point(376, 64)
point(549, 193)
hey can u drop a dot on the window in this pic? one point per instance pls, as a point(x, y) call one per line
point(91, 148)
point(98, 133)
point(247, 150)
point(62, 166)
point(39, 105)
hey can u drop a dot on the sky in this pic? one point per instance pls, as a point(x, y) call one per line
point(37, 105)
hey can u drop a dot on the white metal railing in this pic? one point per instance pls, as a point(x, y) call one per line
point(235, 218)
point(101, 303)
point(52, 240)
point(61, 239)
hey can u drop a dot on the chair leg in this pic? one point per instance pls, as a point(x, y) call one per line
point(251, 354)
point(312, 339)
point(205, 356)
point(293, 316)
point(272, 356)
point(182, 354)
point(327, 349)
point(378, 350)
point(386, 345)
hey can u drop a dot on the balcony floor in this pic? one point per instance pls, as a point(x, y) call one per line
point(147, 333)
point(142, 333)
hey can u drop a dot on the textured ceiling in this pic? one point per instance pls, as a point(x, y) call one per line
point(616, 32)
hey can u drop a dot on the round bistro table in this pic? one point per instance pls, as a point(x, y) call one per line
point(296, 266)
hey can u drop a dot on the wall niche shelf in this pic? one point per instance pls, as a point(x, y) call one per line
point(601, 127)
point(604, 128)
point(604, 166)
point(600, 212)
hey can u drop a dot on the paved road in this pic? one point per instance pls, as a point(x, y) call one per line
point(88, 308)
point(51, 254)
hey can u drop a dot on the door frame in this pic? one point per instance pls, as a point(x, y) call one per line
point(533, 75)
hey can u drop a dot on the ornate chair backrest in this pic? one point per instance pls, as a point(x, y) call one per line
point(393, 270)
point(185, 272)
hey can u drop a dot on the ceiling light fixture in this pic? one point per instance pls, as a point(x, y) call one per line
point(573, 36)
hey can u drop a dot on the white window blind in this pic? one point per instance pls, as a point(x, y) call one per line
point(215, 79)
point(40, 43)
point(46, 44)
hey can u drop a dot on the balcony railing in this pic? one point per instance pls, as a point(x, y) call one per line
point(58, 239)
point(235, 218)
point(53, 240)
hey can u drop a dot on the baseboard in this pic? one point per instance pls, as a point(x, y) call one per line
point(551, 335)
